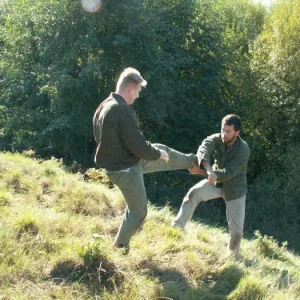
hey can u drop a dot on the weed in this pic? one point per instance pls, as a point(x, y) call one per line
point(4, 197)
point(27, 224)
point(97, 267)
point(267, 246)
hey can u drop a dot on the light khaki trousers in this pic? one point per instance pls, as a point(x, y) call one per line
point(235, 210)
point(132, 187)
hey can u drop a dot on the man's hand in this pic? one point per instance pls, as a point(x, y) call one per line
point(164, 155)
point(212, 177)
point(196, 170)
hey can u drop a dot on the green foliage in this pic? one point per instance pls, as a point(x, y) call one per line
point(275, 62)
point(278, 194)
point(267, 246)
point(242, 22)
point(62, 62)
point(41, 77)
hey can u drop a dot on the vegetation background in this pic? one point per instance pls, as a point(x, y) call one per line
point(202, 60)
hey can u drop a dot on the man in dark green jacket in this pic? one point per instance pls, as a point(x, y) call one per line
point(226, 178)
point(125, 154)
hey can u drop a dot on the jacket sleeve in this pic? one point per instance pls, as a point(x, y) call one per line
point(234, 167)
point(133, 137)
point(207, 148)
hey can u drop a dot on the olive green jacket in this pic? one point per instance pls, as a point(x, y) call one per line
point(229, 164)
point(120, 141)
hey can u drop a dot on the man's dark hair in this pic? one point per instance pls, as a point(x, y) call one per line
point(234, 120)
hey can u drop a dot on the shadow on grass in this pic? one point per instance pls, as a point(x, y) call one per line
point(175, 285)
point(216, 286)
point(96, 279)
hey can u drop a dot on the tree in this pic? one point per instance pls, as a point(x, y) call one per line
point(60, 62)
point(275, 61)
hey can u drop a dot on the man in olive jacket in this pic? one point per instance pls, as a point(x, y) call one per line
point(227, 178)
point(125, 154)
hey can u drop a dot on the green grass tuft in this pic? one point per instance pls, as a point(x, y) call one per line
point(27, 224)
point(267, 246)
point(249, 288)
point(5, 197)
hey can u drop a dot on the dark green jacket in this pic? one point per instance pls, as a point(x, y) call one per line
point(120, 140)
point(230, 165)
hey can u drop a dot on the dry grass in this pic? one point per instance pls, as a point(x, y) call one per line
point(56, 242)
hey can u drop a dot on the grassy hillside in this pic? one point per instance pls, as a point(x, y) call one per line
point(56, 242)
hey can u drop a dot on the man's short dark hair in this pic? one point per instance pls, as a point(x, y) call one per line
point(234, 120)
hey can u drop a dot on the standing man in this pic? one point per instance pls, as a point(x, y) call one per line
point(125, 154)
point(226, 178)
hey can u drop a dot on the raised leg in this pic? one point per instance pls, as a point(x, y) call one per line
point(177, 161)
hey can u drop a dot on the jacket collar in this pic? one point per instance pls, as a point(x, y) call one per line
point(118, 97)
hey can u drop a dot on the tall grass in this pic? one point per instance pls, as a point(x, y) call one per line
point(56, 242)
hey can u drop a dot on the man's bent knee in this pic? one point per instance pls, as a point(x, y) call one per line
point(139, 214)
point(193, 194)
